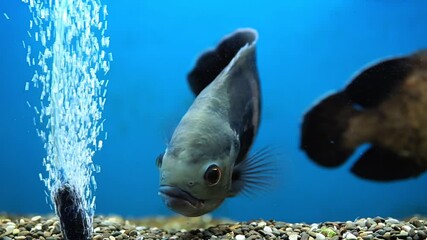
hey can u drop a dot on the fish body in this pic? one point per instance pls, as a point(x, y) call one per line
point(206, 159)
point(386, 106)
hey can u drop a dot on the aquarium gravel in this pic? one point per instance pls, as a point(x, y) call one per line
point(116, 228)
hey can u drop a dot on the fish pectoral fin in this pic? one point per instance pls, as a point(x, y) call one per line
point(376, 83)
point(211, 63)
point(381, 164)
point(255, 173)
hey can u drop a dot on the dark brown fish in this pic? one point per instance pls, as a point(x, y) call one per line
point(386, 106)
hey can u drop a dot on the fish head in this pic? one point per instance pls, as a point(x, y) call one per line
point(193, 181)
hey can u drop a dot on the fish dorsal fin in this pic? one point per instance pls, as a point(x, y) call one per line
point(376, 83)
point(211, 63)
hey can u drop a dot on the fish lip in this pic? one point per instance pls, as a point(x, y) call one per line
point(175, 195)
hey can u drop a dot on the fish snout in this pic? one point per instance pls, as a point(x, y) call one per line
point(169, 179)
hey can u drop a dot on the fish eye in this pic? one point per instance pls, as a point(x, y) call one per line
point(159, 160)
point(212, 175)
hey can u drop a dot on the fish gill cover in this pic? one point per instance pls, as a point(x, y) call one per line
point(69, 36)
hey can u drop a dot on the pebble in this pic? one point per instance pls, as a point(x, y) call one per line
point(414, 221)
point(422, 234)
point(314, 226)
point(304, 236)
point(36, 218)
point(361, 222)
point(349, 236)
point(392, 221)
point(406, 228)
point(293, 237)
point(262, 224)
point(10, 227)
point(240, 237)
point(15, 231)
point(320, 236)
point(268, 229)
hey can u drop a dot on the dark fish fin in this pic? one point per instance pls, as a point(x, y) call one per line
point(323, 128)
point(211, 63)
point(69, 208)
point(159, 160)
point(380, 164)
point(376, 83)
point(246, 139)
point(254, 173)
point(247, 129)
point(243, 91)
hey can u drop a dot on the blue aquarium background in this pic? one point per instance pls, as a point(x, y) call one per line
point(306, 50)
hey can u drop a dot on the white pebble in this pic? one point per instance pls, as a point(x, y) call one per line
point(38, 227)
point(240, 237)
point(140, 228)
point(36, 218)
point(406, 228)
point(392, 221)
point(10, 227)
point(268, 229)
point(320, 236)
point(15, 231)
point(349, 235)
point(314, 227)
point(361, 222)
point(293, 236)
point(262, 224)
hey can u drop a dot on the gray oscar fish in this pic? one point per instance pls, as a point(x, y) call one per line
point(207, 159)
point(386, 106)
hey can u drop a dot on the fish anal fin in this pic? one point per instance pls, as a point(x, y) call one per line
point(381, 164)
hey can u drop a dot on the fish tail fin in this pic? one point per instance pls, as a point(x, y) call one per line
point(323, 128)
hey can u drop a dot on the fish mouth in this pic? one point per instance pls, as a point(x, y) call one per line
point(178, 199)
